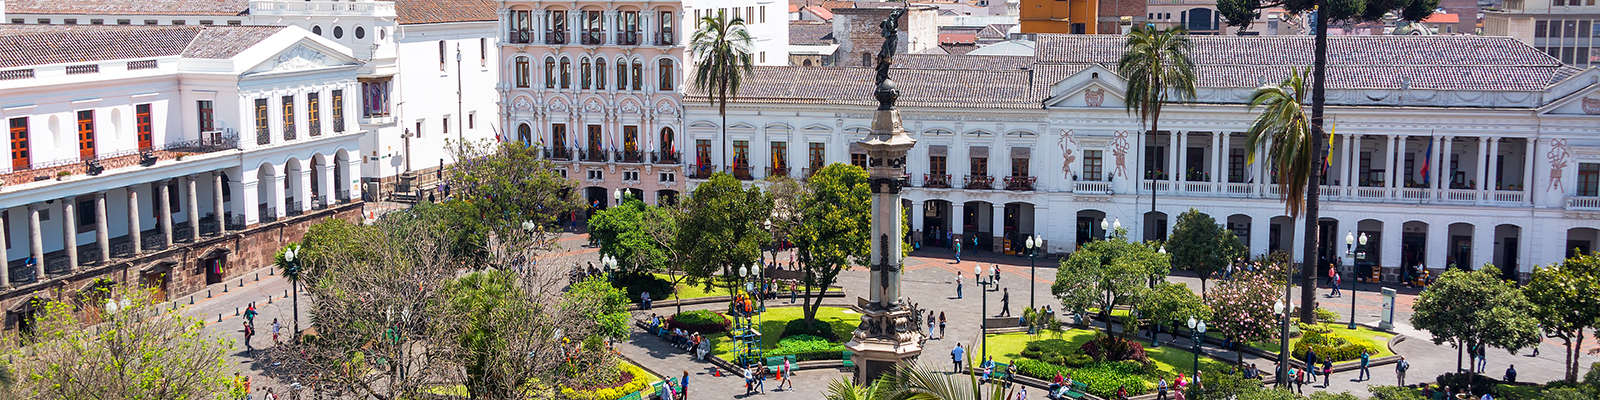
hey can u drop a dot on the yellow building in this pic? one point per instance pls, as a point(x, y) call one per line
point(1058, 16)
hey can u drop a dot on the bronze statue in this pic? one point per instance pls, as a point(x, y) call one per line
point(886, 92)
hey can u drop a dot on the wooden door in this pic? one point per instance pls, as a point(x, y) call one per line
point(20, 159)
point(141, 122)
point(86, 135)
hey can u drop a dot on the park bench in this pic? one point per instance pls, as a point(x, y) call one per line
point(846, 357)
point(1000, 372)
point(774, 363)
point(1077, 391)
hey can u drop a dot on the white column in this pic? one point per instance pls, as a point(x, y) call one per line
point(1182, 171)
point(1527, 173)
point(1343, 172)
point(1260, 234)
point(1226, 157)
point(957, 218)
point(1482, 244)
point(5, 240)
point(1390, 176)
point(1491, 183)
point(216, 203)
point(36, 241)
point(277, 202)
point(135, 236)
point(1446, 152)
point(325, 183)
point(1352, 166)
point(102, 230)
point(1174, 169)
point(1393, 233)
point(246, 197)
point(303, 196)
point(539, 25)
point(165, 212)
point(998, 227)
point(1216, 157)
point(69, 231)
point(1437, 243)
point(916, 218)
point(193, 196)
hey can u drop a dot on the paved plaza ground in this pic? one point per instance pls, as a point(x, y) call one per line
point(929, 281)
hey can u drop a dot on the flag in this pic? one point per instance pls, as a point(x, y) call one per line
point(1327, 159)
point(1427, 161)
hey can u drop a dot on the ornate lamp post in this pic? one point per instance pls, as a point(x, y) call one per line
point(291, 257)
point(1197, 331)
point(983, 291)
point(1034, 244)
point(1283, 356)
point(1362, 241)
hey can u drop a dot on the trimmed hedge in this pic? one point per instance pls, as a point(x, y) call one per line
point(635, 283)
point(1331, 346)
point(806, 348)
point(700, 321)
point(1103, 378)
point(1057, 352)
point(803, 327)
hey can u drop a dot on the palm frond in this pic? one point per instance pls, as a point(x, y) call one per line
point(1284, 121)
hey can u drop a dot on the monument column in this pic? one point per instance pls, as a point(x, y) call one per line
point(889, 333)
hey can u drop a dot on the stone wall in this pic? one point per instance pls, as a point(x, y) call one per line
point(183, 266)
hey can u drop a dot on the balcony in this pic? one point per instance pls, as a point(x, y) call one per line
point(1020, 183)
point(1460, 195)
point(1235, 189)
point(555, 37)
point(593, 38)
point(558, 153)
point(665, 39)
point(591, 155)
point(701, 171)
point(1508, 196)
point(630, 38)
point(778, 171)
point(519, 36)
point(665, 157)
point(1371, 193)
point(208, 142)
point(1197, 187)
point(741, 171)
point(631, 157)
point(1160, 185)
point(1583, 203)
point(940, 181)
point(1415, 194)
point(979, 182)
point(1091, 187)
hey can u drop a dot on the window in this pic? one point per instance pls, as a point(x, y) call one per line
point(524, 134)
point(596, 175)
point(558, 135)
point(317, 29)
point(375, 98)
point(858, 159)
point(749, 14)
point(338, 32)
point(629, 36)
point(235, 23)
point(418, 131)
point(361, 33)
point(630, 176)
point(817, 155)
point(86, 134)
point(146, 22)
point(780, 158)
point(702, 152)
point(665, 72)
point(338, 111)
point(638, 75)
point(600, 74)
point(1093, 163)
point(741, 154)
point(667, 142)
point(622, 74)
point(556, 31)
point(314, 114)
point(446, 124)
point(483, 51)
point(141, 123)
point(666, 37)
point(441, 54)
point(630, 138)
point(205, 22)
point(288, 118)
point(763, 14)
point(566, 73)
point(19, 144)
point(178, 22)
point(522, 72)
point(593, 28)
point(46, 21)
point(263, 136)
point(18, 21)
point(472, 120)
point(85, 211)
point(521, 26)
point(763, 57)
point(70, 21)
point(1588, 179)
point(980, 166)
point(549, 73)
point(595, 143)
point(583, 74)
point(98, 21)
point(667, 177)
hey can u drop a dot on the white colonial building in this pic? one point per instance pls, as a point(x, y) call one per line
point(1454, 150)
point(595, 83)
point(174, 156)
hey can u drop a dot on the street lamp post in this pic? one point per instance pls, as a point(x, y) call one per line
point(1283, 355)
point(1362, 242)
point(1197, 331)
point(1105, 228)
point(983, 316)
point(461, 141)
point(291, 257)
point(1033, 244)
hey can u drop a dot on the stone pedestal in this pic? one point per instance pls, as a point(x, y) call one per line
point(886, 337)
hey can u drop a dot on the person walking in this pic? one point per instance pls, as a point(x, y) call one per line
point(941, 324)
point(1311, 364)
point(275, 328)
point(931, 322)
point(1483, 359)
point(250, 314)
point(1161, 389)
point(683, 386)
point(248, 332)
point(786, 370)
point(958, 252)
point(1327, 371)
point(1400, 370)
point(956, 356)
point(958, 285)
point(644, 299)
point(1005, 302)
point(1366, 360)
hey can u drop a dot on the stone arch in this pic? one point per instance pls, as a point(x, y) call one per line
point(1087, 226)
point(1507, 252)
point(1582, 240)
point(341, 176)
point(294, 184)
point(1458, 245)
point(1240, 225)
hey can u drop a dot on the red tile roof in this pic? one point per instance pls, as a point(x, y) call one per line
point(820, 12)
point(409, 12)
point(25, 45)
point(129, 7)
point(1439, 18)
point(958, 38)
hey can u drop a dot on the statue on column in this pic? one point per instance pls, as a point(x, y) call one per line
point(886, 92)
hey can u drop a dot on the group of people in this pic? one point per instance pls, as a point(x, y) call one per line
point(1181, 387)
point(755, 377)
point(940, 321)
point(691, 342)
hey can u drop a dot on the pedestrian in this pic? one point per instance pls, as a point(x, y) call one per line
point(1300, 381)
point(931, 322)
point(958, 284)
point(1293, 377)
point(956, 356)
point(1483, 359)
point(749, 380)
point(270, 395)
point(794, 290)
point(941, 324)
point(1161, 389)
point(644, 299)
point(1005, 302)
point(275, 328)
point(1400, 370)
point(1366, 360)
point(1022, 394)
point(247, 394)
point(248, 332)
point(786, 371)
point(1337, 280)
point(1511, 374)
point(1327, 371)
point(1311, 363)
point(958, 252)
point(995, 270)
point(250, 314)
point(1178, 395)
point(761, 381)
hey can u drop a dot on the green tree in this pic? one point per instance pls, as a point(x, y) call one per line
point(139, 349)
point(1155, 63)
point(1295, 159)
point(721, 50)
point(596, 300)
point(1246, 302)
point(1104, 274)
point(486, 311)
point(835, 228)
point(1564, 303)
point(1169, 303)
point(1198, 244)
point(722, 229)
point(621, 232)
point(1473, 308)
point(504, 188)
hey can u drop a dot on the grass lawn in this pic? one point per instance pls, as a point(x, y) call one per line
point(1378, 339)
point(843, 321)
point(687, 291)
point(1169, 359)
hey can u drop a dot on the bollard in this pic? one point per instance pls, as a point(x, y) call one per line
point(219, 317)
point(269, 299)
point(224, 287)
point(258, 277)
point(208, 293)
point(191, 299)
point(241, 282)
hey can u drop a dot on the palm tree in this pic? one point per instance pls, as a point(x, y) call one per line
point(1155, 63)
point(721, 50)
point(1296, 157)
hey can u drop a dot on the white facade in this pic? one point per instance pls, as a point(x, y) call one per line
point(767, 21)
point(1060, 169)
point(596, 84)
point(249, 136)
point(439, 102)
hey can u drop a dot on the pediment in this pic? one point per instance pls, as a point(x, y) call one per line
point(302, 56)
point(1093, 87)
point(1585, 100)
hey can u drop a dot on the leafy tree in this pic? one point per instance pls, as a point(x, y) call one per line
point(621, 233)
point(486, 311)
point(1104, 274)
point(139, 350)
point(722, 229)
point(1246, 302)
point(1241, 13)
point(1476, 308)
point(786, 203)
point(835, 228)
point(1168, 303)
point(1198, 244)
point(503, 188)
point(596, 300)
point(721, 49)
point(1564, 303)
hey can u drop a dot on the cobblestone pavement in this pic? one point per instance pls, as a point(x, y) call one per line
point(928, 281)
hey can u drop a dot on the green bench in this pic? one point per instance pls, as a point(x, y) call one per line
point(1077, 391)
point(661, 390)
point(774, 363)
point(631, 396)
point(846, 356)
point(1000, 372)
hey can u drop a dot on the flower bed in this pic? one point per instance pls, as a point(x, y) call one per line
point(1042, 357)
point(632, 379)
point(699, 321)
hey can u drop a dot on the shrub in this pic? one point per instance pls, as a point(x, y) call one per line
point(803, 327)
point(1476, 384)
point(1330, 346)
point(806, 348)
point(1053, 351)
point(1039, 369)
point(1103, 378)
point(1395, 393)
point(1110, 348)
point(635, 283)
point(699, 321)
point(1324, 315)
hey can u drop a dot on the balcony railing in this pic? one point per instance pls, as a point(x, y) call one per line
point(741, 171)
point(778, 171)
point(1160, 185)
point(1371, 193)
point(665, 39)
point(1197, 187)
point(1585, 203)
point(591, 155)
point(1238, 189)
point(1509, 196)
point(701, 171)
point(979, 182)
point(665, 157)
point(555, 37)
point(936, 181)
point(208, 142)
point(1091, 187)
point(632, 157)
point(1461, 195)
point(558, 153)
point(1020, 183)
point(521, 36)
point(628, 38)
point(1414, 194)
point(593, 38)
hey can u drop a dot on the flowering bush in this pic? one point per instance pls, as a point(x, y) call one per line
point(633, 379)
point(1247, 301)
